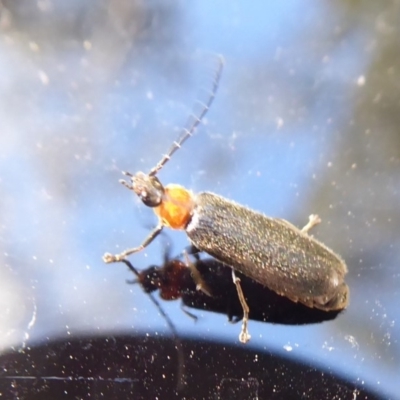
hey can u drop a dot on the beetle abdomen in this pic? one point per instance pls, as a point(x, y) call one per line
point(271, 251)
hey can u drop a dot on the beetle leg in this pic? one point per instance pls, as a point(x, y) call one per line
point(313, 220)
point(188, 313)
point(244, 335)
point(109, 258)
point(192, 250)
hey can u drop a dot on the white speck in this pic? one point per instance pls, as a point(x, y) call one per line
point(87, 45)
point(31, 324)
point(327, 347)
point(34, 46)
point(361, 80)
point(287, 347)
point(43, 77)
point(149, 95)
point(44, 5)
point(33, 319)
point(352, 340)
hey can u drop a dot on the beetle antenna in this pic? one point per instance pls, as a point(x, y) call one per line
point(189, 131)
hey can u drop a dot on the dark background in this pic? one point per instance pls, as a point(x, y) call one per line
point(306, 120)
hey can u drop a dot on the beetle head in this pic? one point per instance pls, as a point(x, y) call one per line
point(148, 188)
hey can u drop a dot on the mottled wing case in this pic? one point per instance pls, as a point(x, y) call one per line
point(271, 251)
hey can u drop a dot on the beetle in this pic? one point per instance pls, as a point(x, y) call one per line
point(269, 250)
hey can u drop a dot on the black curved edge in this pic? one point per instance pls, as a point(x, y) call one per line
point(142, 367)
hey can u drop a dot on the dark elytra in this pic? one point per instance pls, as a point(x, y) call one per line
point(271, 251)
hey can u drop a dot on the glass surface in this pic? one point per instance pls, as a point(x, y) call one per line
point(306, 120)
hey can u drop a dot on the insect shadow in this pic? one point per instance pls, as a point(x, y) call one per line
point(206, 284)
